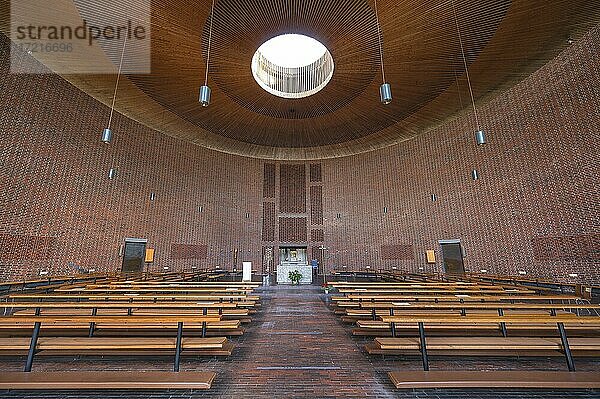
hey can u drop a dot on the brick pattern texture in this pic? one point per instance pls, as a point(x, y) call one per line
point(21, 247)
point(188, 251)
point(539, 181)
point(397, 252)
point(269, 181)
point(292, 188)
point(583, 248)
point(292, 230)
point(538, 189)
point(61, 212)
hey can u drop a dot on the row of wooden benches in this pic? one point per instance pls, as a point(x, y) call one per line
point(471, 318)
point(129, 317)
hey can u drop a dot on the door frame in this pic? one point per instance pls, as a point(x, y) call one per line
point(462, 252)
point(132, 240)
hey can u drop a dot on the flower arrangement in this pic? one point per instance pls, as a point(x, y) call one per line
point(295, 277)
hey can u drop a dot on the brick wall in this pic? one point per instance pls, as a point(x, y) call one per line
point(535, 207)
point(289, 210)
point(59, 211)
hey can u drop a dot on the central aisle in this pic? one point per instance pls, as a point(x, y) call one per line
point(296, 347)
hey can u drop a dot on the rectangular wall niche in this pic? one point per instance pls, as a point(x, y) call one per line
point(189, 251)
point(292, 188)
point(397, 252)
point(315, 173)
point(316, 205)
point(292, 229)
point(25, 247)
point(268, 232)
point(583, 247)
point(269, 181)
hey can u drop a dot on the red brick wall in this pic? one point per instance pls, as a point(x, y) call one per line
point(538, 183)
point(292, 188)
point(59, 211)
point(188, 251)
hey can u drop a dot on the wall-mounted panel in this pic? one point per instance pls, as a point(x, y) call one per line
point(269, 181)
point(316, 205)
point(292, 188)
point(397, 252)
point(188, 251)
point(292, 229)
point(268, 228)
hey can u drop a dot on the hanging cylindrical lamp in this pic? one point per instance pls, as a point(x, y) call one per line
point(107, 133)
point(479, 133)
point(205, 90)
point(204, 96)
point(480, 137)
point(106, 136)
point(385, 90)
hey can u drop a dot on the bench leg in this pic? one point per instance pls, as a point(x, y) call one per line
point(565, 344)
point(204, 312)
point(502, 325)
point(92, 324)
point(32, 346)
point(373, 314)
point(423, 347)
point(393, 325)
point(178, 346)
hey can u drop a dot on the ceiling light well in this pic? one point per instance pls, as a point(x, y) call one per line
point(292, 66)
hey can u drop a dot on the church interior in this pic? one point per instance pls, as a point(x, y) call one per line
point(300, 199)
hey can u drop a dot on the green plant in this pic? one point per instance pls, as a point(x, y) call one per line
point(295, 277)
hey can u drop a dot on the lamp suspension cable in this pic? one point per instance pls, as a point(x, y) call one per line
point(205, 90)
point(380, 43)
point(112, 108)
point(385, 90)
point(462, 50)
point(107, 133)
point(212, 13)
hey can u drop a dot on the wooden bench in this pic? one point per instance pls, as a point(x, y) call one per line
point(370, 310)
point(129, 320)
point(474, 320)
point(495, 379)
point(229, 327)
point(485, 346)
point(106, 380)
point(52, 346)
point(378, 328)
point(250, 299)
point(210, 329)
point(227, 310)
point(455, 297)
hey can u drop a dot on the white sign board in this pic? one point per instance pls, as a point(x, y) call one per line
point(247, 271)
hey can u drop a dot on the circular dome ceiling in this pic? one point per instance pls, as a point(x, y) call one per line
point(292, 66)
point(505, 41)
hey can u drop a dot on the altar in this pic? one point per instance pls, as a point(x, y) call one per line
point(291, 259)
point(284, 269)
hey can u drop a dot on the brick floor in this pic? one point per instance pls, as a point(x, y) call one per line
point(297, 348)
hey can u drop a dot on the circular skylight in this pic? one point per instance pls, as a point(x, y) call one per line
point(292, 66)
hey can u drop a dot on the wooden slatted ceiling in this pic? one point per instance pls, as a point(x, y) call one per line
point(505, 41)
